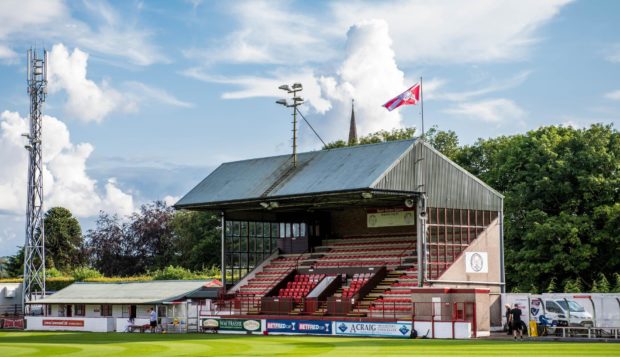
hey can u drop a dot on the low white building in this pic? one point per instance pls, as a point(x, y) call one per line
point(120, 307)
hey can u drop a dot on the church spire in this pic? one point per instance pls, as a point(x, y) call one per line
point(353, 127)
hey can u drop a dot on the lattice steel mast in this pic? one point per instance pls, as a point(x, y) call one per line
point(34, 248)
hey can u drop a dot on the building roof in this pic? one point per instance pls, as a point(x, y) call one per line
point(388, 170)
point(334, 170)
point(148, 292)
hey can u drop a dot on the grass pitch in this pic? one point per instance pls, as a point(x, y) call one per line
point(115, 344)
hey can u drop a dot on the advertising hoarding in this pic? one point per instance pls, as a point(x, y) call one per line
point(381, 329)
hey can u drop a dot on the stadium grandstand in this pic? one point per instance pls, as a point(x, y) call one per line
point(361, 232)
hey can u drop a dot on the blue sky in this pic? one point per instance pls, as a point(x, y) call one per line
point(147, 97)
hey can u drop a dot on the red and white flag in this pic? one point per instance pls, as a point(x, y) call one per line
point(409, 97)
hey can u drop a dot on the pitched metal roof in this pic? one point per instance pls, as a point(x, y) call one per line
point(148, 292)
point(341, 169)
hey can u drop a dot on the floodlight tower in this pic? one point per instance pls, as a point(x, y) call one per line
point(34, 248)
point(296, 101)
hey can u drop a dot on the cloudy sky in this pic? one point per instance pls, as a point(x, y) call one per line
point(147, 97)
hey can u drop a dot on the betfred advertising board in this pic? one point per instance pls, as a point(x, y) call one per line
point(309, 327)
point(380, 329)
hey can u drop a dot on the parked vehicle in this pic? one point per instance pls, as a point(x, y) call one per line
point(560, 312)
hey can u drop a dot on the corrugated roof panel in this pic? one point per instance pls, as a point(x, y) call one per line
point(317, 171)
point(123, 293)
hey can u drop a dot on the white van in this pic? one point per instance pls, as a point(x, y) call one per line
point(560, 312)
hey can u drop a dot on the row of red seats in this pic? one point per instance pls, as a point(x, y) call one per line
point(372, 263)
point(358, 281)
point(363, 250)
point(361, 256)
point(397, 292)
point(300, 286)
point(393, 300)
point(377, 242)
point(411, 285)
point(390, 307)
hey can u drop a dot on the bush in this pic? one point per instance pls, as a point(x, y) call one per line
point(173, 273)
point(83, 273)
point(58, 283)
point(53, 273)
point(210, 273)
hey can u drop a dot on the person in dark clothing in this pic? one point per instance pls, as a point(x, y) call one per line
point(508, 324)
point(515, 319)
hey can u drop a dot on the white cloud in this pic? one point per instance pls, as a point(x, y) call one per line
point(171, 200)
point(613, 53)
point(368, 74)
point(615, 95)
point(86, 100)
point(492, 87)
point(269, 32)
point(65, 180)
point(491, 111)
point(25, 21)
point(447, 31)
point(456, 32)
point(157, 94)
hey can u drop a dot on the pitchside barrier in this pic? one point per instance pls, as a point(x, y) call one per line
point(387, 319)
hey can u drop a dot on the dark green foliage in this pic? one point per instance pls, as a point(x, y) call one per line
point(446, 142)
point(196, 239)
point(15, 264)
point(561, 188)
point(552, 287)
point(573, 286)
point(63, 239)
point(172, 273)
point(376, 137)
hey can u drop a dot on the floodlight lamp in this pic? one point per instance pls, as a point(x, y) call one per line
point(26, 135)
point(28, 147)
point(366, 195)
point(298, 99)
point(282, 102)
point(264, 204)
point(409, 202)
point(297, 86)
point(274, 204)
point(285, 87)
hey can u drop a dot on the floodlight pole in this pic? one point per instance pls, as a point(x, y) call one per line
point(297, 101)
point(34, 247)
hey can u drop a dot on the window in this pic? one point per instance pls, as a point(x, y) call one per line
point(80, 310)
point(106, 310)
point(48, 310)
point(550, 306)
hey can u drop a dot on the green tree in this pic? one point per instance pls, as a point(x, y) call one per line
point(617, 284)
point(173, 273)
point(561, 188)
point(196, 239)
point(602, 284)
point(376, 137)
point(573, 286)
point(63, 240)
point(446, 142)
point(15, 264)
point(552, 287)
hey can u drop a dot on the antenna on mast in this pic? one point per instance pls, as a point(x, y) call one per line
point(34, 248)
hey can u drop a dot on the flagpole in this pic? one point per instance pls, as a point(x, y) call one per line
point(422, 106)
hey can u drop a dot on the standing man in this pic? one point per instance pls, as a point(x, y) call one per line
point(508, 324)
point(154, 320)
point(515, 319)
